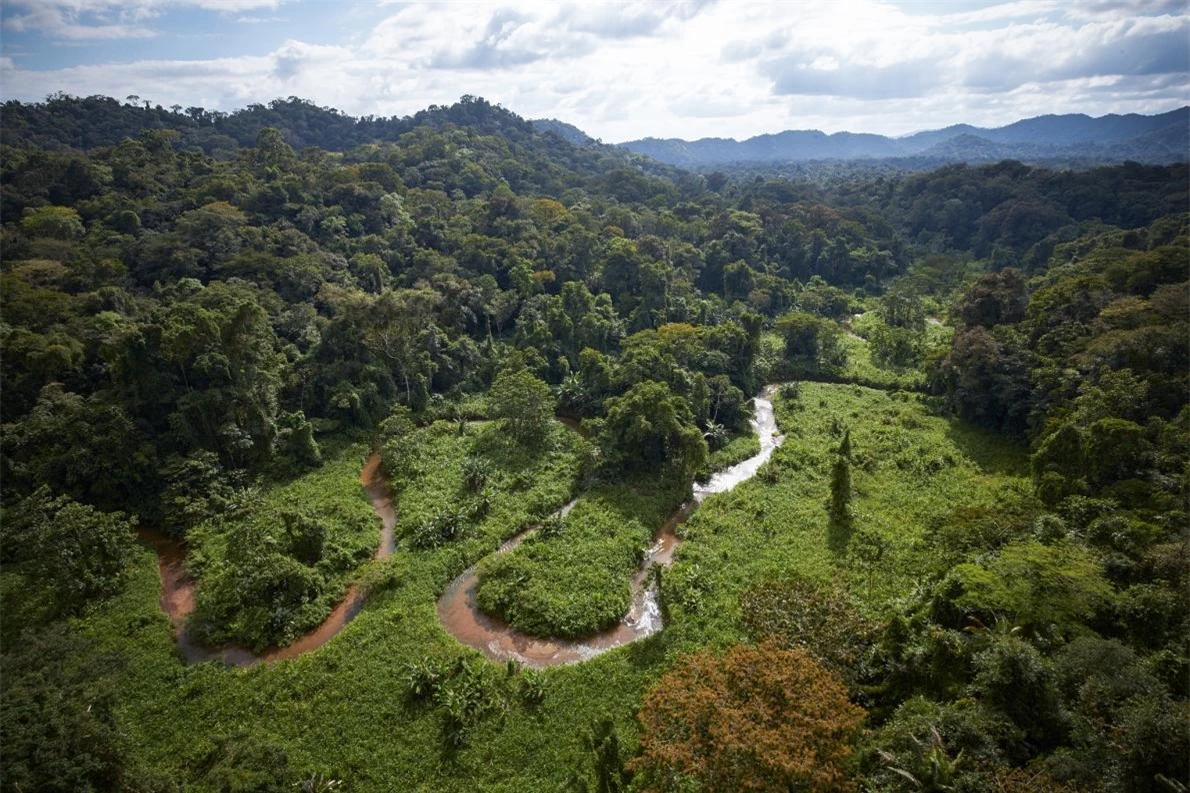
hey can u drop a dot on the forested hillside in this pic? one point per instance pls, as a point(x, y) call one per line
point(965, 567)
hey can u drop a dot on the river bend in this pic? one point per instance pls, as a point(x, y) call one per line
point(499, 641)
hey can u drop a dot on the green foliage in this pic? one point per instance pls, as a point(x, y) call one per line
point(994, 299)
point(465, 691)
point(534, 687)
point(476, 473)
point(839, 509)
point(1121, 713)
point(239, 763)
point(1040, 587)
point(985, 377)
point(937, 747)
point(897, 347)
point(930, 767)
point(297, 450)
point(262, 598)
point(650, 427)
point(60, 223)
point(443, 526)
point(274, 568)
point(578, 582)
point(57, 715)
point(197, 488)
point(1116, 450)
point(1013, 678)
point(822, 618)
point(77, 552)
point(603, 747)
point(82, 448)
point(1059, 463)
point(437, 503)
point(424, 678)
point(813, 345)
point(524, 402)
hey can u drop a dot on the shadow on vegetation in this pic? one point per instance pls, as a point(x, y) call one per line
point(647, 653)
point(993, 454)
point(838, 536)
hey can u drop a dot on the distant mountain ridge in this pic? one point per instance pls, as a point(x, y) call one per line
point(1159, 138)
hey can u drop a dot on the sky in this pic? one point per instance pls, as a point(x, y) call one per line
point(619, 71)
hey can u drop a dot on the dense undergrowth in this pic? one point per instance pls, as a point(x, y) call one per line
point(572, 577)
point(272, 568)
point(468, 485)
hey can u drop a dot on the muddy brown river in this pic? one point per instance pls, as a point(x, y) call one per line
point(457, 611)
point(499, 641)
point(177, 588)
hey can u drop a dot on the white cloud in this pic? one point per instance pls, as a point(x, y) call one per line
point(62, 20)
point(107, 19)
point(257, 20)
point(685, 69)
point(230, 6)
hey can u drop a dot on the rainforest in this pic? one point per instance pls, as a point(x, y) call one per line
point(442, 453)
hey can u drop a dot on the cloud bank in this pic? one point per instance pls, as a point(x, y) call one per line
point(687, 68)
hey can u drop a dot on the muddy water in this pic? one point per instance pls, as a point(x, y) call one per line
point(177, 589)
point(499, 641)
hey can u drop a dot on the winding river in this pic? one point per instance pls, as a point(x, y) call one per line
point(457, 610)
point(499, 641)
point(177, 588)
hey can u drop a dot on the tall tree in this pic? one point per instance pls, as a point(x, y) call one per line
point(759, 718)
point(524, 403)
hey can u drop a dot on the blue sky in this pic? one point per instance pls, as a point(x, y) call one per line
point(680, 68)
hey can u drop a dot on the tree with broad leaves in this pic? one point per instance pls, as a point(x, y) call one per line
point(759, 718)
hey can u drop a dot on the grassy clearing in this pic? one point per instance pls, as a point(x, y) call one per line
point(910, 469)
point(863, 369)
point(343, 710)
point(860, 368)
point(485, 487)
point(574, 578)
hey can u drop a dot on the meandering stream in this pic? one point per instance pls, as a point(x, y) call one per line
point(177, 588)
point(462, 619)
point(457, 610)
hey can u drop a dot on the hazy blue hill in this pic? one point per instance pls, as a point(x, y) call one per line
point(1077, 128)
point(1158, 139)
point(1173, 140)
point(920, 141)
point(812, 144)
point(970, 148)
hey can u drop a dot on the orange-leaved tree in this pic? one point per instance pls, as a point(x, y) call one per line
point(758, 718)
